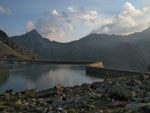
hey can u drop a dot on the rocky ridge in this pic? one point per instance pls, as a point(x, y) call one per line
point(120, 95)
point(11, 51)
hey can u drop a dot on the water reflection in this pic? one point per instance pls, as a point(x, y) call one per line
point(22, 77)
point(4, 75)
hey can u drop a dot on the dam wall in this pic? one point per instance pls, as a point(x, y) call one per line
point(100, 71)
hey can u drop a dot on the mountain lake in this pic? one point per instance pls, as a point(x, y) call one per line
point(20, 77)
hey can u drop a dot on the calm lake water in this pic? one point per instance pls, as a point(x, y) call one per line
point(41, 76)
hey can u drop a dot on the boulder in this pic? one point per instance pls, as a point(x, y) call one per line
point(40, 109)
point(46, 93)
point(141, 77)
point(119, 93)
point(147, 99)
point(11, 92)
point(136, 88)
point(138, 106)
point(101, 90)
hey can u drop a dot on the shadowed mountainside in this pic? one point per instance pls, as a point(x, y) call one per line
point(10, 51)
point(129, 52)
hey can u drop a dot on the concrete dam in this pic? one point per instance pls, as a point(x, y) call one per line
point(98, 70)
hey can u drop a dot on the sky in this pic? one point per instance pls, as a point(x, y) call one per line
point(68, 20)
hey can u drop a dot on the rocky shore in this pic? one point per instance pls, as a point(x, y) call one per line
point(119, 95)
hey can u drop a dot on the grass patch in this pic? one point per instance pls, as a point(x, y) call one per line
point(72, 111)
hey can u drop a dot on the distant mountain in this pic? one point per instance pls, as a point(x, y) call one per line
point(10, 51)
point(129, 52)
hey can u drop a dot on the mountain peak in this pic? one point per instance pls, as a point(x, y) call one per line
point(34, 34)
point(34, 31)
point(3, 34)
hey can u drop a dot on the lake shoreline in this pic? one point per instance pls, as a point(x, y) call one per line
point(130, 94)
point(45, 62)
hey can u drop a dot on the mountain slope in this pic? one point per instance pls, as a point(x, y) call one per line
point(8, 53)
point(9, 50)
point(115, 51)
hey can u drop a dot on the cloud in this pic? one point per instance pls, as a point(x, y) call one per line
point(92, 18)
point(54, 12)
point(130, 20)
point(50, 26)
point(55, 25)
point(89, 18)
point(5, 11)
point(71, 9)
point(54, 32)
point(70, 27)
point(30, 26)
point(146, 2)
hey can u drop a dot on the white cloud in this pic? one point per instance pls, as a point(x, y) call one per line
point(89, 18)
point(50, 26)
point(54, 12)
point(92, 18)
point(5, 11)
point(54, 32)
point(54, 25)
point(71, 9)
point(29, 26)
point(130, 20)
point(70, 26)
point(146, 2)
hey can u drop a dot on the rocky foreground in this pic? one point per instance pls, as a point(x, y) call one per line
point(119, 95)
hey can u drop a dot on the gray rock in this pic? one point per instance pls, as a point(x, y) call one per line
point(101, 90)
point(71, 100)
point(147, 99)
point(148, 94)
point(135, 106)
point(11, 92)
point(24, 107)
point(136, 88)
point(137, 82)
point(119, 93)
point(58, 99)
point(51, 112)
point(50, 107)
point(141, 77)
point(147, 84)
point(137, 100)
point(40, 109)
point(46, 93)
point(60, 109)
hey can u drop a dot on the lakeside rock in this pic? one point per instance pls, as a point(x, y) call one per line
point(119, 95)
